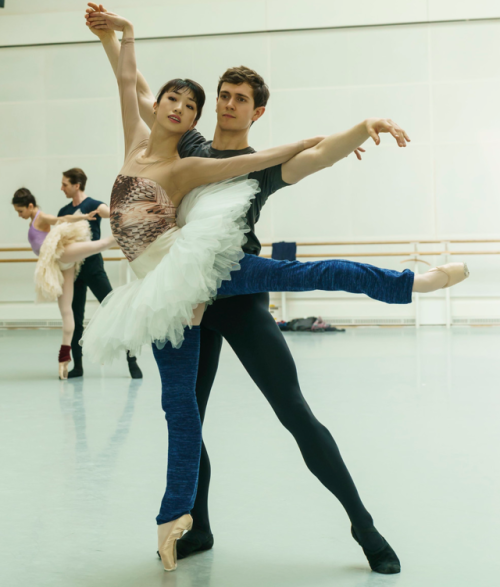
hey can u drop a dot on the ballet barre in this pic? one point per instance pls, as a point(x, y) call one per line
point(409, 256)
point(35, 259)
point(345, 255)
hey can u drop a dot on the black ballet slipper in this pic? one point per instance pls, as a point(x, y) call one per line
point(133, 367)
point(75, 372)
point(383, 560)
point(192, 542)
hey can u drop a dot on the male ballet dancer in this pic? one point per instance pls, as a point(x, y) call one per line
point(92, 273)
point(245, 321)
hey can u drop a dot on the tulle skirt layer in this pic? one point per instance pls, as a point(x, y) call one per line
point(48, 273)
point(180, 270)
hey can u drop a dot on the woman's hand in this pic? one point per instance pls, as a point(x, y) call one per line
point(99, 20)
point(375, 126)
point(96, 9)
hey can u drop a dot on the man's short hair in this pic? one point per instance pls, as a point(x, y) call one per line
point(76, 175)
point(241, 75)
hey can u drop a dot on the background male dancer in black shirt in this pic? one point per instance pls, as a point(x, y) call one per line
point(245, 321)
point(92, 274)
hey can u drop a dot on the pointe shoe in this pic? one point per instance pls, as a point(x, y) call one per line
point(456, 272)
point(385, 561)
point(168, 549)
point(63, 369)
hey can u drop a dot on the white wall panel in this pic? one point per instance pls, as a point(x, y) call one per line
point(310, 59)
point(22, 129)
point(78, 72)
point(334, 58)
point(466, 112)
point(461, 53)
point(468, 189)
point(62, 21)
point(457, 9)
point(297, 114)
point(22, 74)
point(391, 195)
point(301, 113)
point(317, 208)
point(79, 127)
point(283, 14)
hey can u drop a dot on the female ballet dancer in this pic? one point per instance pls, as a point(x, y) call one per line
point(61, 244)
point(180, 263)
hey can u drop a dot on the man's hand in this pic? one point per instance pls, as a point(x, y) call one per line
point(99, 20)
point(375, 126)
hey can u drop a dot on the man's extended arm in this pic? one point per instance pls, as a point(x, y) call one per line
point(111, 45)
point(335, 147)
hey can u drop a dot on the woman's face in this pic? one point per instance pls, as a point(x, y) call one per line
point(177, 111)
point(23, 211)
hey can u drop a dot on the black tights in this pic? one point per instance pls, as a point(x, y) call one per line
point(246, 324)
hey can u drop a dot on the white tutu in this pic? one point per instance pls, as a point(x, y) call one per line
point(183, 268)
point(48, 272)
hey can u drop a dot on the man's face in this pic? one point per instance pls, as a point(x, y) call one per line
point(68, 188)
point(235, 107)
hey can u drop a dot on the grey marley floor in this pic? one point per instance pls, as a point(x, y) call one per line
point(415, 413)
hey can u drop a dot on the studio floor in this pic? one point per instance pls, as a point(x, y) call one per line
point(415, 414)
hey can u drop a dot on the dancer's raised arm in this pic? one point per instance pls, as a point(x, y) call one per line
point(191, 172)
point(98, 25)
point(134, 128)
point(335, 147)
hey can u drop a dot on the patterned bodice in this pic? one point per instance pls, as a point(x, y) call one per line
point(140, 212)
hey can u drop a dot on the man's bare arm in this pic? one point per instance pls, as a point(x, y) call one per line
point(335, 147)
point(111, 46)
point(103, 211)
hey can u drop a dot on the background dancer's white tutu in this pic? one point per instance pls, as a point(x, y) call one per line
point(181, 269)
point(48, 273)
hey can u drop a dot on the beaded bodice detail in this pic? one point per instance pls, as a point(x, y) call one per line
point(141, 211)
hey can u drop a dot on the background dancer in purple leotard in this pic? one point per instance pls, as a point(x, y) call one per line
point(61, 245)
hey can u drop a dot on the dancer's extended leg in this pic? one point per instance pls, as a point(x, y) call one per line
point(267, 275)
point(200, 538)
point(247, 325)
point(178, 369)
point(76, 252)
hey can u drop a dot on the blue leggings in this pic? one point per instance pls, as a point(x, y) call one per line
point(259, 275)
point(178, 370)
point(178, 367)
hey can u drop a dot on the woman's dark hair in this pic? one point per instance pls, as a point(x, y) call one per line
point(76, 175)
point(177, 85)
point(23, 197)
